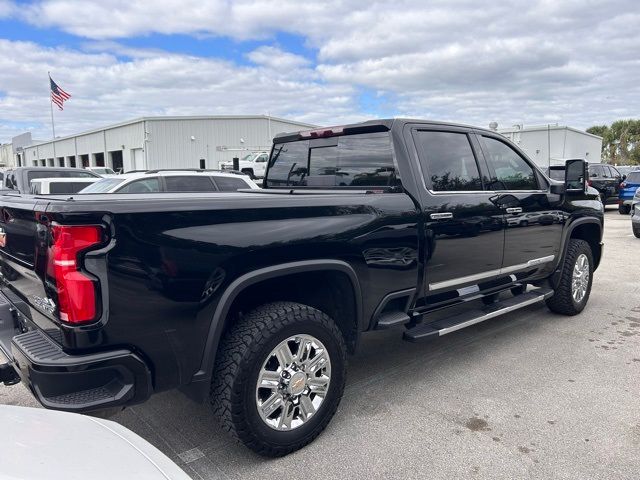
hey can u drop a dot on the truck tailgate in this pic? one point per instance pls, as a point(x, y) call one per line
point(23, 251)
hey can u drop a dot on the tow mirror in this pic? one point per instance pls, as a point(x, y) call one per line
point(575, 175)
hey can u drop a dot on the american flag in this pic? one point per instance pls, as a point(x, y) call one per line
point(58, 96)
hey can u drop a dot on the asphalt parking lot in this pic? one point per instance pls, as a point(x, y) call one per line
point(528, 395)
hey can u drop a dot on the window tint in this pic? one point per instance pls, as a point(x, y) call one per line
point(288, 164)
point(190, 183)
point(511, 170)
point(595, 171)
point(146, 185)
point(364, 160)
point(228, 184)
point(448, 161)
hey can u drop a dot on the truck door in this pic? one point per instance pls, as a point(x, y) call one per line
point(533, 218)
point(464, 231)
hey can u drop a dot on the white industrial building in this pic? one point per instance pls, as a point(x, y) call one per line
point(160, 142)
point(553, 144)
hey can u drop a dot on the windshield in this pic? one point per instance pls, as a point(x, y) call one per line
point(633, 177)
point(248, 158)
point(102, 186)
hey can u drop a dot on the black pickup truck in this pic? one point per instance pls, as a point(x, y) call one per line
point(252, 300)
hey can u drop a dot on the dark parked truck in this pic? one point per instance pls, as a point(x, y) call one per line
point(253, 300)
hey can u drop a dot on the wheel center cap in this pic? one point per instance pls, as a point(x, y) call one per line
point(298, 383)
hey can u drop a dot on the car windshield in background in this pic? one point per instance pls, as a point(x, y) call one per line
point(102, 186)
point(60, 174)
point(247, 158)
point(103, 171)
point(364, 160)
point(633, 177)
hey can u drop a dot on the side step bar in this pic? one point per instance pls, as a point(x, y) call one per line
point(392, 319)
point(425, 331)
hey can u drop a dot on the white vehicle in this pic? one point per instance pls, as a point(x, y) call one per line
point(102, 171)
point(38, 443)
point(176, 181)
point(51, 186)
point(254, 164)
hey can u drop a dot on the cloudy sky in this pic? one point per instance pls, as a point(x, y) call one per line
point(323, 62)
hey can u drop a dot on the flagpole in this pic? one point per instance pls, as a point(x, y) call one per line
point(53, 124)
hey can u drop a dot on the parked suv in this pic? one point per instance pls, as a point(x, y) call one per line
point(628, 188)
point(606, 180)
point(252, 301)
point(155, 181)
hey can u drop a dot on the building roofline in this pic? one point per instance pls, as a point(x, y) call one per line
point(171, 118)
point(537, 128)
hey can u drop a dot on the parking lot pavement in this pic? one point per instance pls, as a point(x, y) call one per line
point(528, 395)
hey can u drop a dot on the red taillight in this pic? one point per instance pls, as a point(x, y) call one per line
point(623, 185)
point(76, 291)
point(590, 183)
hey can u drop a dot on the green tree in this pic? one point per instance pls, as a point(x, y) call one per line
point(620, 141)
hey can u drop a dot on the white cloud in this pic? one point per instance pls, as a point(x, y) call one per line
point(573, 61)
point(106, 90)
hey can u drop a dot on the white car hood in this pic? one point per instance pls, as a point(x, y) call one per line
point(45, 444)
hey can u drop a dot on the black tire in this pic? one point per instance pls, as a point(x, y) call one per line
point(636, 231)
point(241, 355)
point(249, 173)
point(624, 209)
point(562, 301)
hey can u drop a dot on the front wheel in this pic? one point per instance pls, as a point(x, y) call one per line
point(624, 209)
point(636, 231)
point(574, 287)
point(279, 377)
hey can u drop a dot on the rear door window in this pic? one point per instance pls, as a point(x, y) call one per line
point(447, 160)
point(228, 184)
point(191, 183)
point(363, 160)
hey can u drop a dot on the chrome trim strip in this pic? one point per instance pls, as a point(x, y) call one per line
point(489, 315)
point(491, 273)
point(440, 216)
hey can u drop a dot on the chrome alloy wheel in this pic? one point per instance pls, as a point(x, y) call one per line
point(293, 382)
point(580, 278)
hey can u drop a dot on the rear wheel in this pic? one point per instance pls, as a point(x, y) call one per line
point(279, 377)
point(624, 209)
point(636, 231)
point(574, 287)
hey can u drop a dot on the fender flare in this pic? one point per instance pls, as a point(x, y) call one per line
point(565, 242)
point(219, 321)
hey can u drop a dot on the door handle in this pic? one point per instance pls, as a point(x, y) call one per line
point(441, 216)
point(514, 210)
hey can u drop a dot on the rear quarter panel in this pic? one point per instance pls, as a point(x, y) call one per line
point(170, 263)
